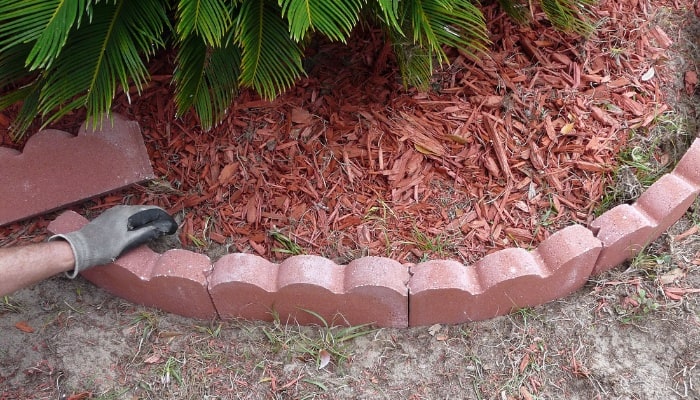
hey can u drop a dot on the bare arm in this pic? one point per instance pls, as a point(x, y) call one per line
point(26, 265)
point(100, 242)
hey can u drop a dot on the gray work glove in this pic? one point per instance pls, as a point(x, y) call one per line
point(117, 230)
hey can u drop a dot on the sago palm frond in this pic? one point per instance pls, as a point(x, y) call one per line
point(210, 19)
point(462, 25)
point(437, 23)
point(23, 22)
point(567, 15)
point(516, 9)
point(416, 63)
point(28, 95)
point(431, 24)
point(271, 60)
point(206, 79)
point(55, 33)
point(12, 65)
point(59, 55)
point(103, 55)
point(335, 19)
point(12, 71)
point(389, 13)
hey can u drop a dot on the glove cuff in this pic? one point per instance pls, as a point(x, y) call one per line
point(74, 240)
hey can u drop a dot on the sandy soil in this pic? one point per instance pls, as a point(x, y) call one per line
point(620, 337)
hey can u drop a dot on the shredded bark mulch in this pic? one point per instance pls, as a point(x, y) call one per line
point(501, 152)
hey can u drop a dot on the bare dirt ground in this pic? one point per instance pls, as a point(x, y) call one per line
point(632, 333)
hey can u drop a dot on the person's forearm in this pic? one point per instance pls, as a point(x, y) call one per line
point(23, 266)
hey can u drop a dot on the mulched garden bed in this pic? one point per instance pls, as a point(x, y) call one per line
point(500, 153)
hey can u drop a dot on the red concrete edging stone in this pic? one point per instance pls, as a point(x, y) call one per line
point(689, 165)
point(174, 281)
point(56, 168)
point(449, 292)
point(626, 229)
point(368, 290)
point(666, 201)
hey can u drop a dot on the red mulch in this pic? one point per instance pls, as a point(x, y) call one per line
point(502, 152)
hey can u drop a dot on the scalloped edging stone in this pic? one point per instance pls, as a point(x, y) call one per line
point(367, 290)
point(175, 281)
point(384, 292)
point(626, 229)
point(449, 292)
point(57, 169)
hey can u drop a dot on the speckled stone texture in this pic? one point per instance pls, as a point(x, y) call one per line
point(368, 290)
point(56, 168)
point(449, 292)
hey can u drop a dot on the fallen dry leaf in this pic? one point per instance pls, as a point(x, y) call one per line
point(154, 359)
point(324, 357)
point(566, 129)
point(671, 276)
point(690, 79)
point(434, 329)
point(647, 76)
point(24, 327)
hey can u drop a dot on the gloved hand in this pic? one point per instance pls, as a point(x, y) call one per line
point(116, 231)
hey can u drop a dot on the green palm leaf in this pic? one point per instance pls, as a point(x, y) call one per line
point(210, 19)
point(415, 63)
point(516, 9)
point(390, 14)
point(55, 33)
point(271, 60)
point(335, 19)
point(22, 22)
point(58, 55)
point(103, 55)
point(12, 65)
point(29, 96)
point(432, 24)
point(567, 15)
point(206, 79)
point(13, 70)
point(456, 23)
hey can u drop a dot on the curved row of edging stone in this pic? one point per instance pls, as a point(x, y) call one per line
point(385, 292)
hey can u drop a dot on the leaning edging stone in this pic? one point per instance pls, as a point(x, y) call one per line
point(56, 168)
